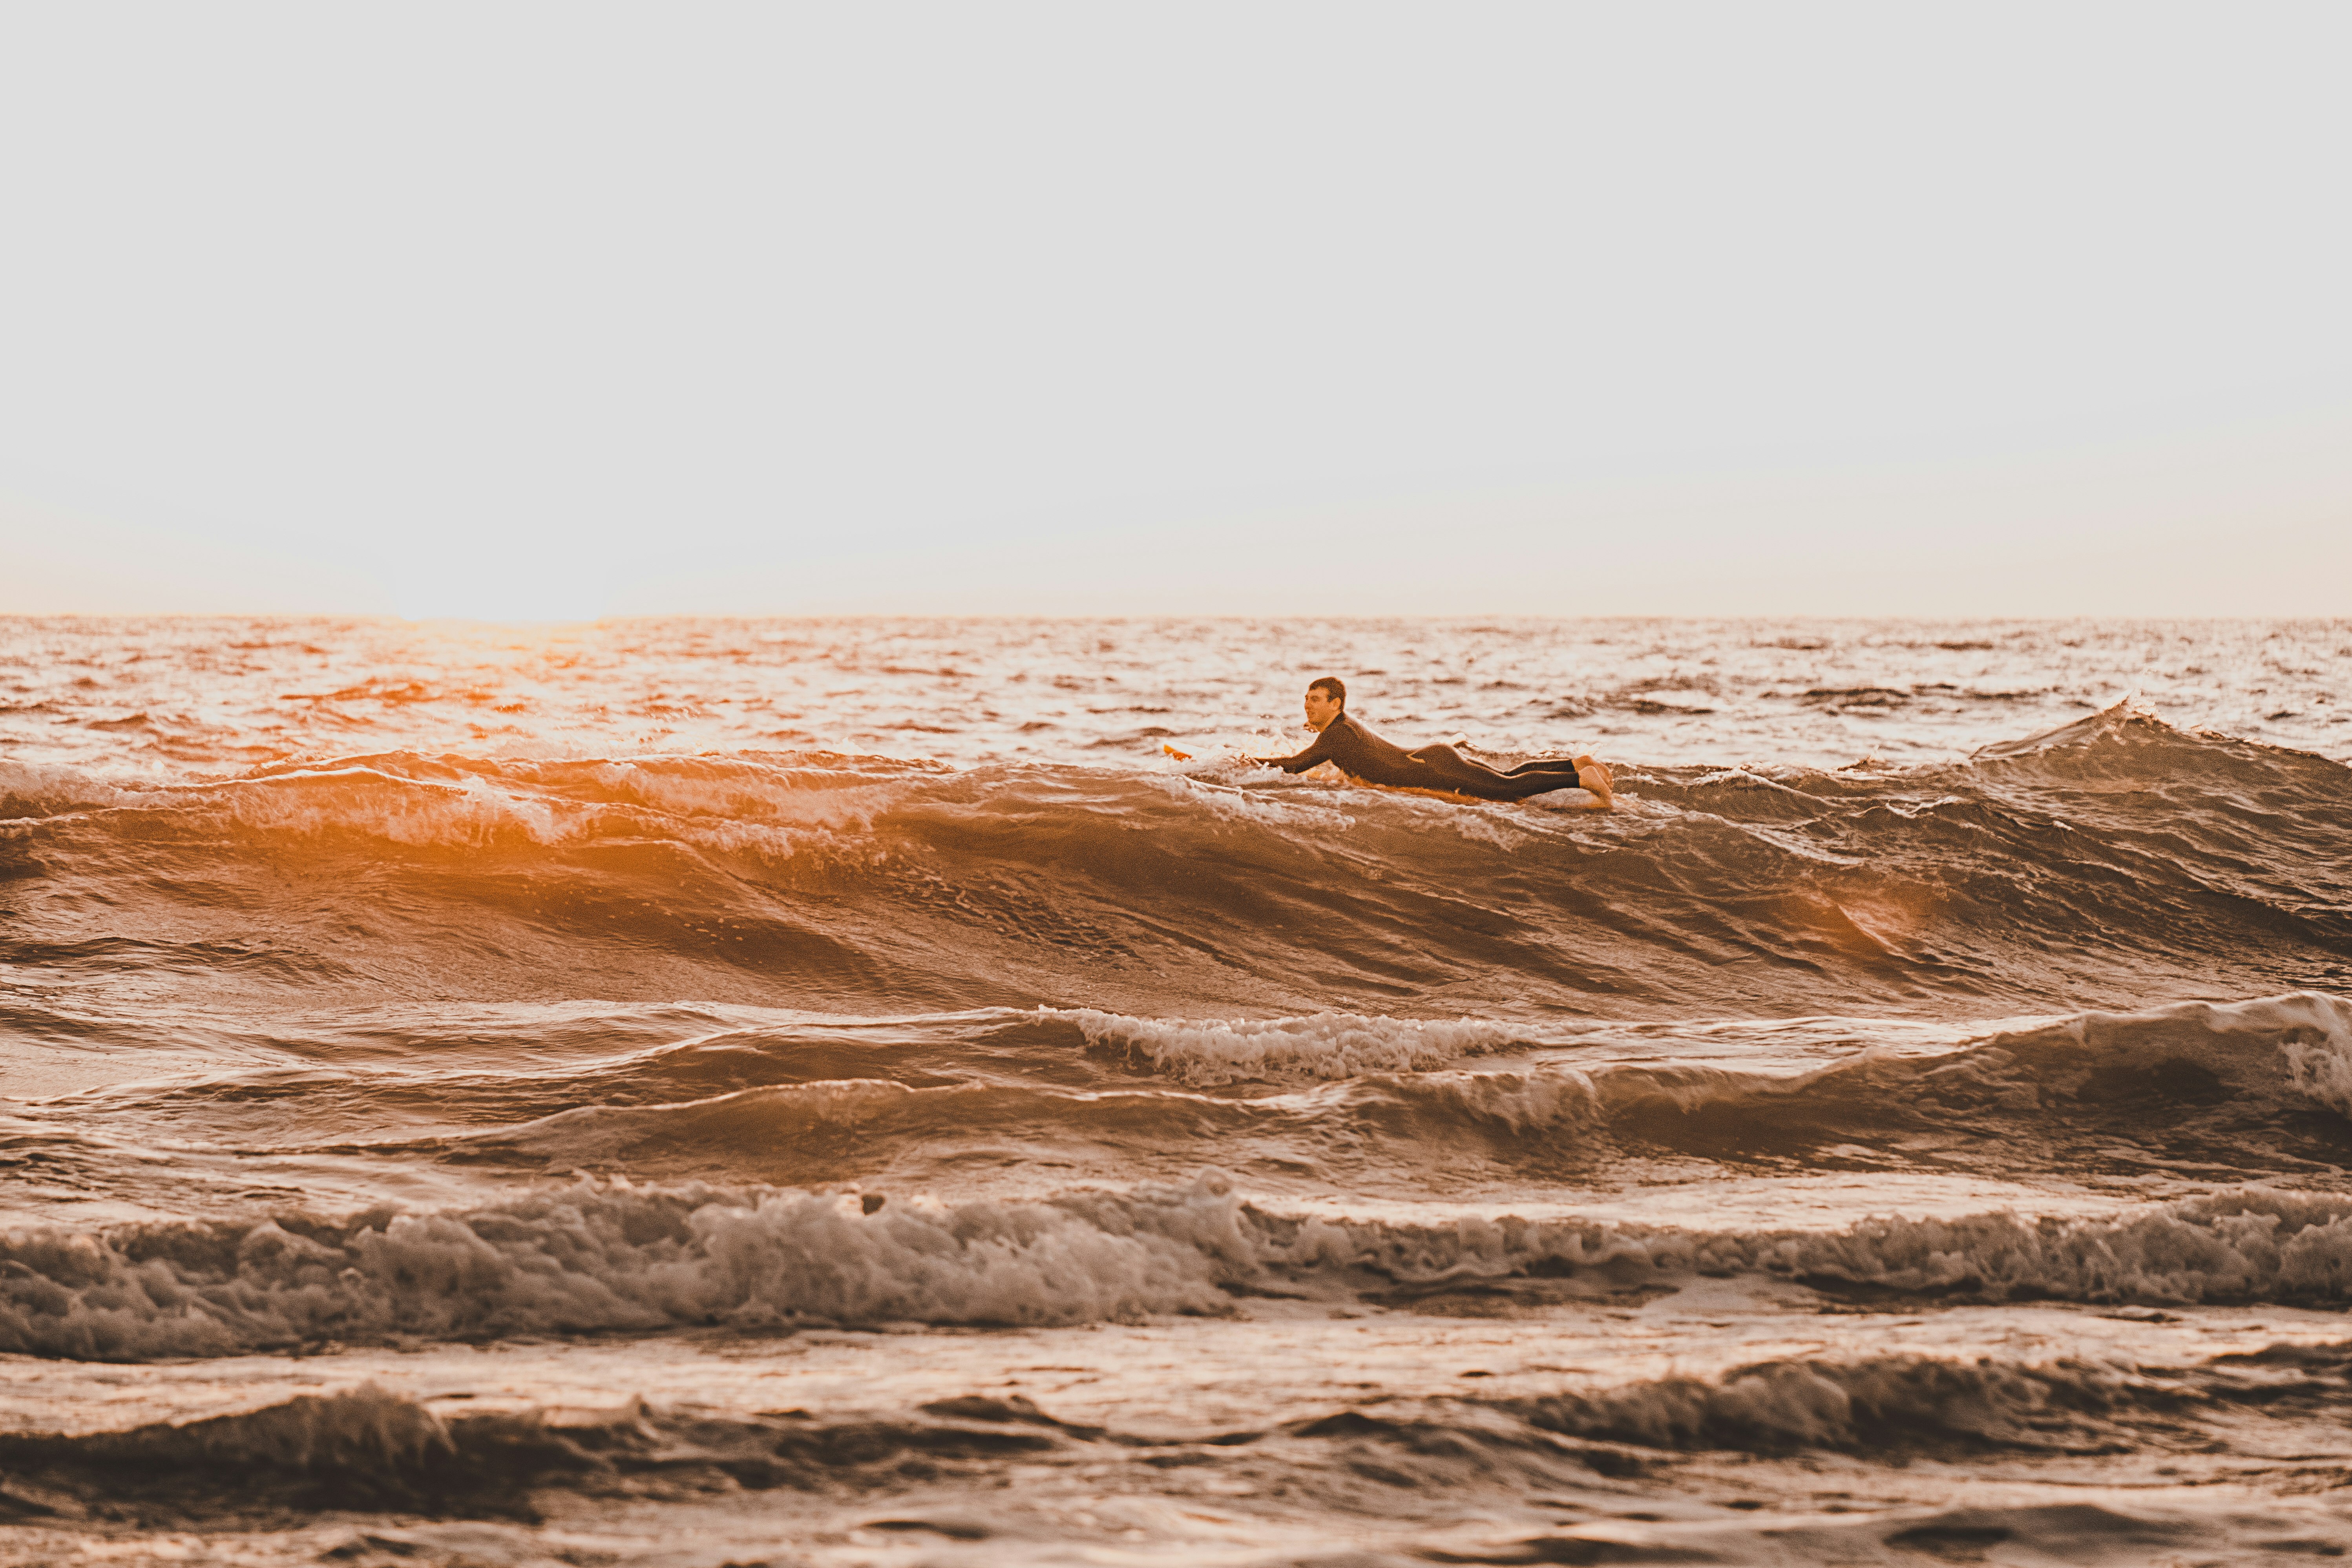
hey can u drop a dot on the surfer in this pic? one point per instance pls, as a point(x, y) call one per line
point(1366, 758)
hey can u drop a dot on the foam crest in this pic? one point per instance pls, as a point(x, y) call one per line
point(2318, 1046)
point(2253, 1244)
point(727, 803)
point(466, 812)
point(1324, 1046)
point(1259, 808)
point(615, 1258)
point(785, 791)
point(1523, 1102)
point(31, 790)
point(2311, 1031)
point(597, 1258)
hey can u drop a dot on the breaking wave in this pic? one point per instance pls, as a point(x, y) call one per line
point(602, 1257)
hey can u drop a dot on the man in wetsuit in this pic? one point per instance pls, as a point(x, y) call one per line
point(1365, 757)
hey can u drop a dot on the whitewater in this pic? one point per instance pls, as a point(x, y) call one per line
point(713, 1092)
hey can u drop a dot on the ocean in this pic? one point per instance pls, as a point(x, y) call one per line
point(840, 1093)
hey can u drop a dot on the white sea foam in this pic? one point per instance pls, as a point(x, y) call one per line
point(617, 1257)
point(601, 1257)
point(2312, 1031)
point(1523, 1101)
point(1324, 1046)
point(1484, 825)
point(2251, 1244)
point(1254, 807)
point(2317, 1047)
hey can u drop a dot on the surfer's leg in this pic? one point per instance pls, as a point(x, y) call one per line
point(1590, 776)
point(1509, 787)
point(1527, 784)
point(1587, 770)
point(1450, 770)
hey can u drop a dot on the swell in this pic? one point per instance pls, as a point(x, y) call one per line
point(1399, 1106)
point(365, 1449)
point(615, 1258)
point(2254, 1088)
point(2107, 862)
point(368, 1448)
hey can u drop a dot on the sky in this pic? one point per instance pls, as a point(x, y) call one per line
point(555, 311)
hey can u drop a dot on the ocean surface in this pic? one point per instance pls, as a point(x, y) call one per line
point(838, 1092)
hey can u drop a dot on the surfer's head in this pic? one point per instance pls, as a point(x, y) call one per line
point(1325, 701)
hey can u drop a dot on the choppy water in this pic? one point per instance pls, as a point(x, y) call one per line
point(836, 1092)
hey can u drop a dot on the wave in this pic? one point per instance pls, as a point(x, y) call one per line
point(1898, 1407)
point(604, 1257)
point(368, 1448)
point(2214, 1073)
point(2184, 861)
point(610, 1257)
point(2254, 1087)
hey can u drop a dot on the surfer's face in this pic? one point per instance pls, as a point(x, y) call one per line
point(1320, 709)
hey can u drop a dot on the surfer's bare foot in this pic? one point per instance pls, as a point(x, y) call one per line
point(1594, 774)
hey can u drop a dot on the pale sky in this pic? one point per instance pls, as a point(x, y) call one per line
point(560, 311)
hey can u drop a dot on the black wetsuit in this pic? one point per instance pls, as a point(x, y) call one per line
point(1360, 755)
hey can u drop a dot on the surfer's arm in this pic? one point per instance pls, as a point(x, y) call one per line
point(1300, 762)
